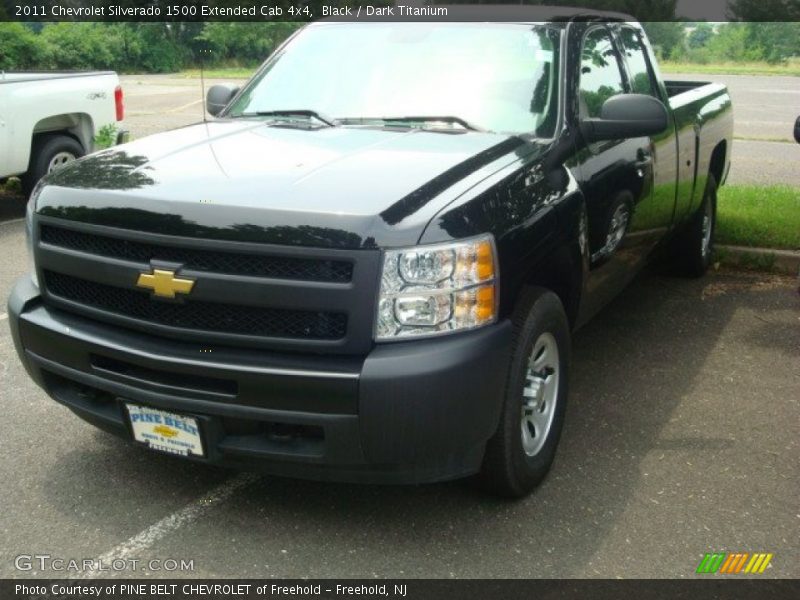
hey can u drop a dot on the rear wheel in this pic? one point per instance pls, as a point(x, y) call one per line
point(521, 451)
point(696, 245)
point(49, 153)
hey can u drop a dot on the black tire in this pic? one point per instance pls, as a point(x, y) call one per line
point(508, 470)
point(45, 148)
point(694, 255)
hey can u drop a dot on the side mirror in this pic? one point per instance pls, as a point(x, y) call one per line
point(797, 130)
point(626, 116)
point(218, 97)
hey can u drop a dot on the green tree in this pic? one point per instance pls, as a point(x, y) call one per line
point(765, 10)
point(667, 37)
point(777, 41)
point(162, 53)
point(733, 43)
point(20, 48)
point(78, 46)
point(595, 99)
point(245, 42)
point(130, 46)
point(773, 26)
point(700, 35)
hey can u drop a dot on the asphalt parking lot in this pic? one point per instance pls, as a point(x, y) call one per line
point(681, 438)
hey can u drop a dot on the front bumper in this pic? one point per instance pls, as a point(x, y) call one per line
point(408, 412)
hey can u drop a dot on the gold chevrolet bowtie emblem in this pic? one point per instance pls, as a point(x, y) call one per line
point(163, 430)
point(164, 283)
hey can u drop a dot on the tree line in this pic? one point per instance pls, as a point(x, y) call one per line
point(138, 47)
point(726, 42)
point(168, 47)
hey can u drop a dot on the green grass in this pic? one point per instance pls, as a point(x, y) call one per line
point(792, 68)
point(11, 186)
point(760, 216)
point(764, 138)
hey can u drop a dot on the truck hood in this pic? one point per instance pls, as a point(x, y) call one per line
point(344, 187)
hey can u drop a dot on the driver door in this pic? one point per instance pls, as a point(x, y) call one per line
point(616, 176)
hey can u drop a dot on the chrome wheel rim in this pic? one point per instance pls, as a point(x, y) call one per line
point(707, 228)
point(540, 394)
point(59, 160)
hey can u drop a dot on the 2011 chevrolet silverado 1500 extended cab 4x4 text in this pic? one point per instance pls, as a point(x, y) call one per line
point(368, 265)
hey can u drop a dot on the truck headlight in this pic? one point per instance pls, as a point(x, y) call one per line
point(428, 290)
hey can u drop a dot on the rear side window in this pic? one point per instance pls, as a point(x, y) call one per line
point(641, 80)
point(601, 76)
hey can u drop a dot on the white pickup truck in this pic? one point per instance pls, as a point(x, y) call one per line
point(49, 119)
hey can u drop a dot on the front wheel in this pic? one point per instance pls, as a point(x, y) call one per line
point(521, 451)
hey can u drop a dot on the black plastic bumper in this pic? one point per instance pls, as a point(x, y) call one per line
point(408, 412)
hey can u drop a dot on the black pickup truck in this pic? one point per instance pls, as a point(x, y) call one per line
point(368, 265)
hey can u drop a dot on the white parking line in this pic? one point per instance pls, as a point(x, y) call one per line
point(164, 112)
point(184, 107)
point(3, 316)
point(189, 513)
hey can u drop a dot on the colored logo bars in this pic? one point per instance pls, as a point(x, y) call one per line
point(734, 562)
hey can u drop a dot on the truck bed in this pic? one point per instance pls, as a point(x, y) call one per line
point(702, 119)
point(675, 87)
point(20, 76)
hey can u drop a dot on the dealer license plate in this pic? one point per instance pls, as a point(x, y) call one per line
point(165, 431)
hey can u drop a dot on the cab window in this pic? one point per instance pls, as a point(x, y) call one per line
point(601, 76)
point(641, 78)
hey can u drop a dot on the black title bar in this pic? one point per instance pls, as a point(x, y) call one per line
point(400, 10)
point(713, 587)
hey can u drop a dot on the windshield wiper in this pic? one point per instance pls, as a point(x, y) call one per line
point(310, 114)
point(415, 119)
